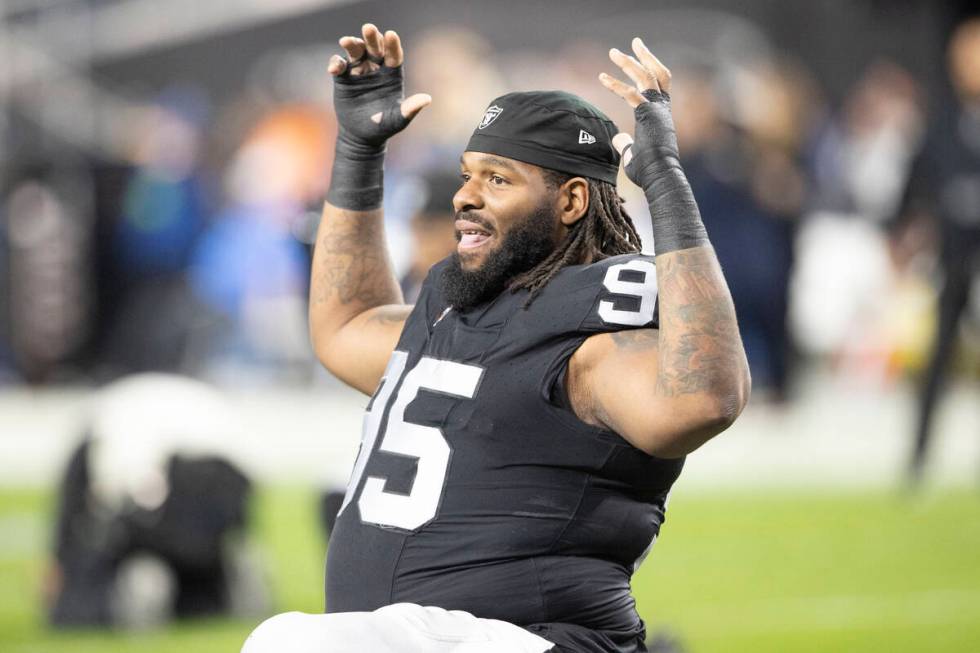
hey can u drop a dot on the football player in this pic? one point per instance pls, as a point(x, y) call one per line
point(533, 408)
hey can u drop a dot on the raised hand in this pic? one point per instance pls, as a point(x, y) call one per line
point(650, 98)
point(646, 71)
point(368, 95)
point(370, 104)
point(652, 162)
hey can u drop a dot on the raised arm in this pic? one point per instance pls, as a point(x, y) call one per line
point(356, 307)
point(666, 391)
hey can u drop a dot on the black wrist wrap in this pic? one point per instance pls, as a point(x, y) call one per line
point(656, 168)
point(357, 181)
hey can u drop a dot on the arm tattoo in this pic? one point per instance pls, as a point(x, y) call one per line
point(352, 264)
point(700, 347)
point(636, 339)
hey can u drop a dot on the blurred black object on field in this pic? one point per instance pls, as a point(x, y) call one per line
point(185, 538)
point(153, 511)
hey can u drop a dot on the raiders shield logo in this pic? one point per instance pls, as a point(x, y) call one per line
point(490, 115)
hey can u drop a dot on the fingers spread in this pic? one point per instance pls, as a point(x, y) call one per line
point(393, 49)
point(623, 90)
point(373, 41)
point(643, 78)
point(652, 63)
point(337, 65)
point(412, 105)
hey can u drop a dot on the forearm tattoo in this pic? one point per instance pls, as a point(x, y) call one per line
point(351, 263)
point(700, 347)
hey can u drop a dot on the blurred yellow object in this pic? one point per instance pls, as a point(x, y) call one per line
point(910, 323)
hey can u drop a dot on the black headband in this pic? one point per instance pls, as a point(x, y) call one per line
point(551, 129)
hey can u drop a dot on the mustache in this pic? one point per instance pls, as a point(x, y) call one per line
point(475, 218)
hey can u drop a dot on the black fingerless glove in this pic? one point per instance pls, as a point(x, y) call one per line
point(656, 168)
point(357, 181)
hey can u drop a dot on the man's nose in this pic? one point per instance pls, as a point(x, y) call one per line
point(467, 198)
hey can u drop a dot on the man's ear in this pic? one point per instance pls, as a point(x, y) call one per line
point(573, 200)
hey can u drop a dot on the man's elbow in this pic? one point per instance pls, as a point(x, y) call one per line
point(723, 407)
point(693, 435)
point(712, 422)
point(325, 338)
point(696, 424)
point(730, 403)
point(322, 353)
point(324, 344)
point(319, 343)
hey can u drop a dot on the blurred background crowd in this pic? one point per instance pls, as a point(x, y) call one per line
point(162, 166)
point(160, 186)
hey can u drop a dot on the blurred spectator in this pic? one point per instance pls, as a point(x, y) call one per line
point(863, 157)
point(945, 184)
point(163, 206)
point(163, 213)
point(432, 228)
point(745, 168)
point(851, 302)
point(249, 268)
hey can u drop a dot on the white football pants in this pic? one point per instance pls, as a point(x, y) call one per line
point(399, 628)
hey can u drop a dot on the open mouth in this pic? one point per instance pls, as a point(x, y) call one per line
point(471, 235)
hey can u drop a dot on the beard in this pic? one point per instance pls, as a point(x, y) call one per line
point(524, 246)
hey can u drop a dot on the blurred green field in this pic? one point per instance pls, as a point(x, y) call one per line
point(734, 572)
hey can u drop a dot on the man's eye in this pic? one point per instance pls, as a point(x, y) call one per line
point(497, 180)
point(465, 176)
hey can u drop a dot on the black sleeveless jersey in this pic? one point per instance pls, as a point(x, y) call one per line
point(476, 490)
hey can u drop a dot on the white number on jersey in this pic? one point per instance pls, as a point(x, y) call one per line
point(646, 290)
point(372, 421)
point(425, 443)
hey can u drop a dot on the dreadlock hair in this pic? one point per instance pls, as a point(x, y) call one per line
point(605, 230)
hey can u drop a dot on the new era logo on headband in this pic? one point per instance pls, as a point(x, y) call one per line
point(584, 137)
point(490, 116)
